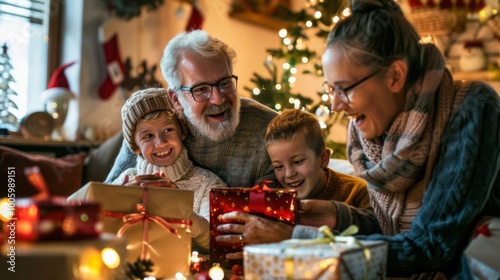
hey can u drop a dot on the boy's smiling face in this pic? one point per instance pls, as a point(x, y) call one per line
point(159, 140)
point(296, 166)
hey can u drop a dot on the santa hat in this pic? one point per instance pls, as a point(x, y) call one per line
point(58, 86)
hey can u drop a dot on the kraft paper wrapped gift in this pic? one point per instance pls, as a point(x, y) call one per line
point(65, 260)
point(260, 200)
point(154, 221)
point(304, 259)
point(483, 251)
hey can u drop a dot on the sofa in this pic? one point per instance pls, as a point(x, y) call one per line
point(65, 175)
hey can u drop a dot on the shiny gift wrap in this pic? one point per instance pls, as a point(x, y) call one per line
point(100, 258)
point(275, 204)
point(154, 221)
point(299, 259)
point(52, 219)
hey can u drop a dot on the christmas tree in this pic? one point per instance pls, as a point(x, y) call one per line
point(7, 119)
point(276, 90)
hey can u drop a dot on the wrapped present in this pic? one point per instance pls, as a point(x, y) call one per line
point(482, 252)
point(339, 257)
point(100, 258)
point(276, 204)
point(53, 219)
point(154, 221)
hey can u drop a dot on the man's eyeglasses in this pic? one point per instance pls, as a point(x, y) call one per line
point(203, 92)
point(342, 92)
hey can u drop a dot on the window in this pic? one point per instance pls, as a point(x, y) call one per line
point(24, 28)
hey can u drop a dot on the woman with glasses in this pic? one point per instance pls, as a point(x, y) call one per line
point(428, 146)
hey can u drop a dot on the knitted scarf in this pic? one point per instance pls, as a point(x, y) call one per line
point(175, 172)
point(398, 166)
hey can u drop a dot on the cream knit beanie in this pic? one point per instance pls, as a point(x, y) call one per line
point(140, 104)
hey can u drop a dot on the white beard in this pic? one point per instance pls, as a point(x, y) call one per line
point(215, 132)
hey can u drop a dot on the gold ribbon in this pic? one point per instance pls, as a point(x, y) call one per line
point(144, 216)
point(328, 238)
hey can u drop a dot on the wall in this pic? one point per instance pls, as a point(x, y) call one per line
point(144, 38)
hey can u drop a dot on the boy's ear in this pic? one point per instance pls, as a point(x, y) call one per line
point(325, 157)
point(175, 100)
point(137, 151)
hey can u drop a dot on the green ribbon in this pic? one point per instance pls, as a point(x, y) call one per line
point(328, 237)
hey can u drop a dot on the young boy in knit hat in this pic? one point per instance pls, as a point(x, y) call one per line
point(295, 144)
point(154, 132)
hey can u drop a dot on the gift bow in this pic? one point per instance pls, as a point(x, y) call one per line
point(257, 196)
point(144, 216)
point(328, 237)
point(262, 186)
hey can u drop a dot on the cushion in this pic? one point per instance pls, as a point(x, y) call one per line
point(63, 175)
point(100, 160)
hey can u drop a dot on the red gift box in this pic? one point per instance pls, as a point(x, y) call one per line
point(275, 204)
point(54, 220)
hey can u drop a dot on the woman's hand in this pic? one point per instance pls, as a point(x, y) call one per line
point(157, 179)
point(255, 230)
point(317, 213)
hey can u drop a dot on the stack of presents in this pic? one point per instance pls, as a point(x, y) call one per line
point(144, 233)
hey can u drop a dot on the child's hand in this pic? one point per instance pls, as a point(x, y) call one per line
point(157, 179)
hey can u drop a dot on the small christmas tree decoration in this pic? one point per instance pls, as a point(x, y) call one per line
point(7, 105)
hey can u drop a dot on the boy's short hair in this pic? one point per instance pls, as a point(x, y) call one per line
point(147, 104)
point(292, 123)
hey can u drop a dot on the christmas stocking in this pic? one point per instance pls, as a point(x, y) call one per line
point(195, 20)
point(115, 68)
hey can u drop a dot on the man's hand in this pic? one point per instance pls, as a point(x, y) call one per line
point(255, 230)
point(157, 179)
point(315, 212)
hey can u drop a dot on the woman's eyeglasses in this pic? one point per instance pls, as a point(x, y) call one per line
point(342, 92)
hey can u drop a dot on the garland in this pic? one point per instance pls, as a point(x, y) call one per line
point(128, 9)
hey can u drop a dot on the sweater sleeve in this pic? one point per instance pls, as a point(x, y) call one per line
point(125, 159)
point(464, 186)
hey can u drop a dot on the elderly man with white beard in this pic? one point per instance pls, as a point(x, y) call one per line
point(226, 132)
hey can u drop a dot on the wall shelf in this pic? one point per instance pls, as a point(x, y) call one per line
point(479, 75)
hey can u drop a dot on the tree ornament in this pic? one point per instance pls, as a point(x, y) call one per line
point(7, 119)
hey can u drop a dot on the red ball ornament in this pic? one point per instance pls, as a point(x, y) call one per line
point(237, 269)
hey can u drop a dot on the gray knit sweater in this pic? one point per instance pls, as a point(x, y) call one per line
point(465, 185)
point(240, 161)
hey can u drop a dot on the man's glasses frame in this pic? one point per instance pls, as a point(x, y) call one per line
point(342, 92)
point(202, 92)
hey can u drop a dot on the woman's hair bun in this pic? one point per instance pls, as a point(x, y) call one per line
point(367, 6)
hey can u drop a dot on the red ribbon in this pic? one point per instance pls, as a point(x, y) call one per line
point(484, 229)
point(130, 219)
point(257, 200)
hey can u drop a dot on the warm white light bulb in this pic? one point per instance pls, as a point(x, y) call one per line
point(282, 33)
point(216, 273)
point(110, 258)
